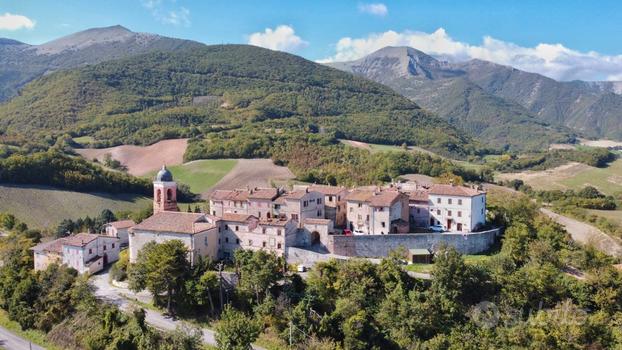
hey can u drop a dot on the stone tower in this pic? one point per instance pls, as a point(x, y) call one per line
point(164, 192)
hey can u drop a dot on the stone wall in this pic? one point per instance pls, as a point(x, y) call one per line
point(381, 245)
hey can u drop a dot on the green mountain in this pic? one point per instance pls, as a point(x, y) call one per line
point(21, 63)
point(209, 89)
point(446, 90)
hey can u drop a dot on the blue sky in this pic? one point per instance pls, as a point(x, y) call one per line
point(567, 40)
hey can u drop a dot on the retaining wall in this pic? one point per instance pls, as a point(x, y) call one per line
point(380, 245)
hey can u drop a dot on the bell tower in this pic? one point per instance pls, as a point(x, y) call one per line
point(164, 192)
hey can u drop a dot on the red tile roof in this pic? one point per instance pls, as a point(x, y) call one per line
point(263, 193)
point(121, 224)
point(235, 195)
point(80, 239)
point(454, 190)
point(220, 195)
point(274, 222)
point(359, 195)
point(384, 198)
point(236, 217)
point(174, 221)
point(296, 194)
point(55, 246)
point(418, 195)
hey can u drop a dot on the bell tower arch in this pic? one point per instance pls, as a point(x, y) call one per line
point(164, 192)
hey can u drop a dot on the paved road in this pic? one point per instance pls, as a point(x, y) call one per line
point(119, 296)
point(10, 341)
point(585, 233)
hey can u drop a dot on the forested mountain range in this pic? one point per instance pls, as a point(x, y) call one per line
point(496, 102)
point(20, 63)
point(201, 90)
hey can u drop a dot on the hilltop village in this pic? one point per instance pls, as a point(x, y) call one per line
point(330, 219)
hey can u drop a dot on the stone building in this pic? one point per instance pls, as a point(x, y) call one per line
point(457, 208)
point(119, 229)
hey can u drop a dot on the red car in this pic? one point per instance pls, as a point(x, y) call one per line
point(347, 232)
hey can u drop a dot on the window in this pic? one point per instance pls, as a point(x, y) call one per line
point(359, 216)
point(237, 228)
point(319, 213)
point(250, 242)
point(90, 251)
point(383, 225)
point(449, 200)
point(263, 244)
point(338, 198)
point(278, 246)
point(260, 215)
point(213, 212)
point(360, 205)
point(294, 216)
point(305, 203)
point(438, 212)
point(218, 240)
point(351, 209)
point(482, 211)
point(104, 247)
point(226, 239)
point(237, 241)
point(319, 201)
point(113, 245)
point(205, 241)
point(438, 200)
point(367, 218)
point(330, 198)
point(449, 213)
point(459, 201)
point(263, 230)
point(459, 214)
point(418, 210)
point(278, 232)
point(226, 227)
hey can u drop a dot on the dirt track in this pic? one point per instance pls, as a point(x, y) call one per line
point(254, 173)
point(142, 160)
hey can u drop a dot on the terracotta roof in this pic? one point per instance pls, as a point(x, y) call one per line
point(418, 195)
point(313, 221)
point(280, 200)
point(384, 198)
point(238, 195)
point(174, 221)
point(359, 195)
point(236, 217)
point(219, 195)
point(454, 190)
point(273, 222)
point(80, 239)
point(327, 190)
point(263, 193)
point(55, 246)
point(122, 224)
point(295, 194)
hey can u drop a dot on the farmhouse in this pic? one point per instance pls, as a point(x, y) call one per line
point(457, 208)
point(377, 212)
point(119, 229)
point(85, 252)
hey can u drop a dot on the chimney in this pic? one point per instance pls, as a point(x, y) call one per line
point(451, 183)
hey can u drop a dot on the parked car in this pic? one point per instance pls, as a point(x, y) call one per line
point(301, 268)
point(437, 228)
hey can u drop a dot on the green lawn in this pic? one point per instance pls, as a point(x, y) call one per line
point(468, 259)
point(608, 180)
point(84, 140)
point(201, 175)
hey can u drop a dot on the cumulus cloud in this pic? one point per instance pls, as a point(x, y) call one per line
point(168, 12)
point(282, 38)
point(378, 9)
point(552, 60)
point(9, 21)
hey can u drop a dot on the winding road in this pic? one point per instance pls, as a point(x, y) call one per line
point(11, 341)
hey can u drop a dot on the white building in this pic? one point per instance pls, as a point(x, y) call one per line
point(198, 232)
point(85, 252)
point(375, 212)
point(457, 208)
point(119, 229)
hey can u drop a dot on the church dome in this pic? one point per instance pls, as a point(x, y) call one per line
point(164, 175)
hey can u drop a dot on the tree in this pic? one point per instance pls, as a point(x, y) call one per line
point(235, 331)
point(161, 269)
point(106, 216)
point(258, 271)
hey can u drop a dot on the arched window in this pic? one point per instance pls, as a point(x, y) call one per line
point(158, 195)
point(169, 195)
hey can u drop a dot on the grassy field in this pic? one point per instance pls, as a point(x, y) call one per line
point(43, 207)
point(468, 259)
point(614, 216)
point(573, 176)
point(83, 140)
point(201, 175)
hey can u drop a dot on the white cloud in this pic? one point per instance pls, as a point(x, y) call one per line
point(378, 9)
point(552, 60)
point(168, 12)
point(282, 38)
point(9, 21)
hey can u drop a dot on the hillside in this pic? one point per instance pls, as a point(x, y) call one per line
point(444, 89)
point(186, 93)
point(20, 63)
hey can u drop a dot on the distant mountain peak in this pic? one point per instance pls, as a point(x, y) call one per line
point(89, 37)
point(9, 42)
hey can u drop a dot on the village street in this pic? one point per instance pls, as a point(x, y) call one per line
point(121, 297)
